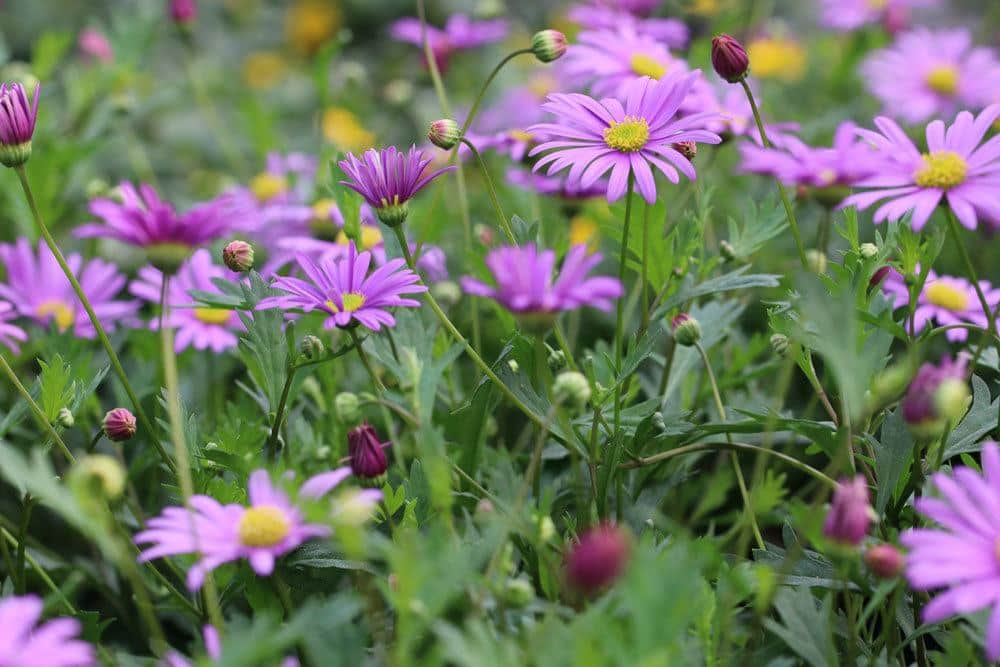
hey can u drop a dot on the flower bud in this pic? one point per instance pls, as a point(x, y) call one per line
point(447, 292)
point(513, 366)
point(183, 11)
point(548, 45)
point(729, 58)
point(779, 344)
point(879, 277)
point(518, 592)
point(119, 425)
point(348, 407)
point(850, 513)
point(556, 360)
point(688, 149)
point(868, 250)
point(312, 348)
point(885, 561)
point(951, 400)
point(598, 559)
point(816, 260)
point(98, 473)
point(17, 123)
point(368, 461)
point(65, 418)
point(238, 256)
point(937, 396)
point(571, 388)
point(727, 250)
point(687, 330)
point(484, 508)
point(445, 133)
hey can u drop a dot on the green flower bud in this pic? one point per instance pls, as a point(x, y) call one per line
point(347, 407)
point(571, 388)
point(687, 330)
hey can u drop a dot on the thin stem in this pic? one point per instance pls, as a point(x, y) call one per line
point(620, 306)
point(645, 270)
point(492, 192)
point(729, 437)
point(793, 225)
point(36, 410)
point(970, 270)
point(94, 320)
point(19, 580)
point(474, 109)
point(271, 448)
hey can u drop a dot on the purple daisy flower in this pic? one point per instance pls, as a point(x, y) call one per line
point(960, 556)
point(955, 168)
point(605, 15)
point(610, 60)
point(343, 289)
point(623, 135)
point(460, 33)
point(945, 300)
point(388, 179)
point(9, 333)
point(526, 284)
point(846, 15)
point(25, 641)
point(198, 327)
point(94, 46)
point(735, 114)
point(927, 74)
point(38, 289)
point(268, 528)
point(847, 162)
point(17, 123)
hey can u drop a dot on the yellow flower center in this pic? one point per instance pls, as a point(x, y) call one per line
point(343, 129)
point(352, 301)
point(310, 23)
point(780, 58)
point(542, 84)
point(371, 236)
point(268, 186)
point(520, 135)
point(59, 311)
point(216, 316)
point(941, 169)
point(943, 79)
point(877, 5)
point(628, 136)
point(323, 208)
point(582, 231)
point(263, 526)
point(643, 65)
point(946, 296)
point(263, 69)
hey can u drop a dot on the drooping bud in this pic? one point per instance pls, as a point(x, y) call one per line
point(779, 344)
point(687, 330)
point(850, 513)
point(368, 461)
point(816, 261)
point(65, 418)
point(572, 389)
point(312, 348)
point(444, 133)
point(119, 425)
point(688, 149)
point(937, 396)
point(17, 123)
point(98, 473)
point(598, 559)
point(729, 58)
point(868, 250)
point(183, 11)
point(548, 45)
point(348, 407)
point(885, 561)
point(238, 256)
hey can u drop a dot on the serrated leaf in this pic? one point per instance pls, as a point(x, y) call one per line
point(980, 420)
point(806, 628)
point(892, 458)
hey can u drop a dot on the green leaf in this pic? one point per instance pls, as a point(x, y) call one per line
point(760, 224)
point(319, 555)
point(892, 458)
point(980, 420)
point(729, 282)
point(806, 628)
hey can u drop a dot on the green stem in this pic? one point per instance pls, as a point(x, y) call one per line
point(970, 270)
point(492, 192)
point(474, 109)
point(36, 410)
point(744, 492)
point(645, 269)
point(22, 536)
point(793, 225)
point(94, 320)
point(620, 306)
point(271, 448)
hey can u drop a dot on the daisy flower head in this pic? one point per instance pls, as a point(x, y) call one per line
point(944, 300)
point(929, 74)
point(140, 218)
point(202, 328)
point(626, 135)
point(343, 288)
point(460, 33)
point(17, 123)
point(268, 527)
point(956, 168)
point(25, 641)
point(609, 60)
point(598, 15)
point(528, 285)
point(38, 289)
point(388, 179)
point(958, 557)
point(10, 333)
point(846, 15)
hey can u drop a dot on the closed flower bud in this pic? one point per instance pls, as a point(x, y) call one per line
point(183, 11)
point(885, 561)
point(518, 592)
point(879, 277)
point(937, 396)
point(779, 344)
point(598, 559)
point(312, 348)
point(348, 407)
point(548, 45)
point(98, 473)
point(368, 461)
point(850, 513)
point(868, 250)
point(891, 383)
point(238, 256)
point(556, 360)
point(119, 425)
point(951, 400)
point(444, 133)
point(17, 123)
point(816, 260)
point(729, 58)
point(688, 149)
point(571, 388)
point(65, 418)
point(687, 330)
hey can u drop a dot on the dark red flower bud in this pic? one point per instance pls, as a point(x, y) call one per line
point(598, 559)
point(368, 461)
point(183, 11)
point(729, 58)
point(119, 425)
point(878, 277)
point(885, 561)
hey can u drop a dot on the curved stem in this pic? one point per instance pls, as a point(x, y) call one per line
point(620, 306)
point(793, 225)
point(474, 109)
point(36, 410)
point(504, 225)
point(94, 320)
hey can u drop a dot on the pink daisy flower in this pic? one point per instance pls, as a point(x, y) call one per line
point(609, 60)
point(460, 33)
point(24, 641)
point(605, 15)
point(625, 135)
point(955, 168)
point(38, 289)
point(960, 556)
point(945, 300)
point(198, 327)
point(268, 528)
point(846, 15)
point(9, 333)
point(927, 74)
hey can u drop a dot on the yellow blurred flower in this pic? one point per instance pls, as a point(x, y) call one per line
point(371, 236)
point(264, 69)
point(778, 58)
point(309, 23)
point(583, 231)
point(705, 7)
point(343, 129)
point(268, 186)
